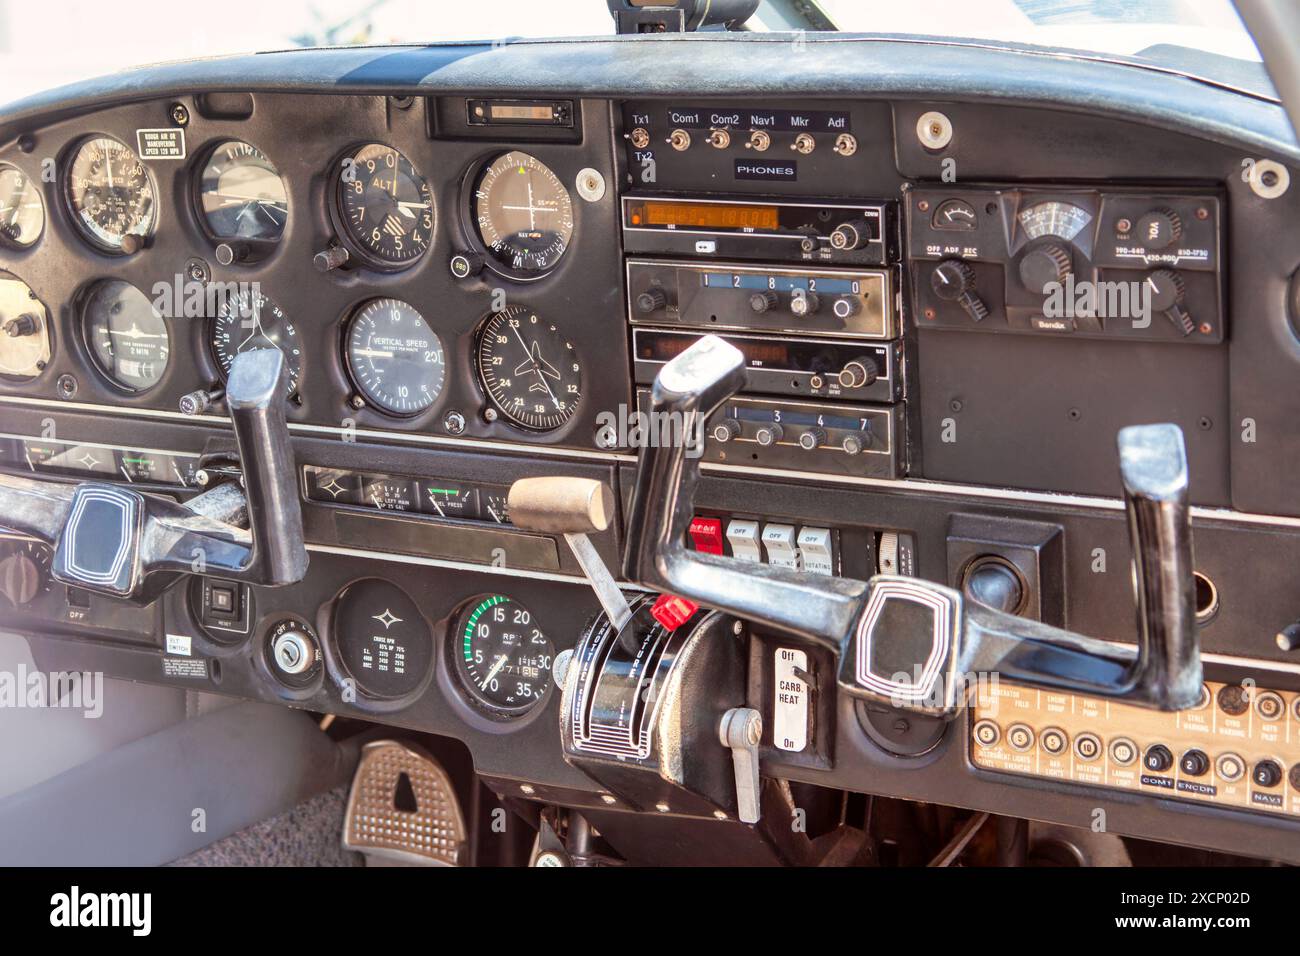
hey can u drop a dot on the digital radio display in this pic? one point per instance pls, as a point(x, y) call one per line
point(702, 215)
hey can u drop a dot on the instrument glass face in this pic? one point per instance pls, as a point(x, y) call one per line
point(523, 214)
point(111, 195)
point(386, 206)
point(502, 657)
point(126, 336)
point(22, 211)
point(529, 370)
point(241, 194)
point(248, 320)
point(396, 360)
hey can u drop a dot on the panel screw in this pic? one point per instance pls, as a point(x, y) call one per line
point(67, 386)
point(180, 115)
point(356, 401)
point(196, 270)
point(454, 422)
point(955, 405)
point(26, 143)
point(1074, 414)
point(490, 414)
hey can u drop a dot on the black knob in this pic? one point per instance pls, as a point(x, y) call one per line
point(859, 373)
point(231, 252)
point(1158, 228)
point(1267, 774)
point(812, 439)
point(846, 307)
point(952, 279)
point(726, 429)
point(1167, 289)
point(1044, 265)
point(23, 325)
point(20, 579)
point(769, 435)
point(652, 300)
point(466, 264)
point(762, 301)
point(331, 258)
point(1194, 763)
point(994, 583)
point(1158, 759)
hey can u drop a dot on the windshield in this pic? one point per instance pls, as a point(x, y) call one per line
point(90, 38)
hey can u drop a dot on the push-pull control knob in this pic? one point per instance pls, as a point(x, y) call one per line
point(1042, 266)
point(1167, 293)
point(331, 258)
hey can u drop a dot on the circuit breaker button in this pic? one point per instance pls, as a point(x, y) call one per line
point(706, 535)
point(743, 538)
point(779, 542)
point(816, 548)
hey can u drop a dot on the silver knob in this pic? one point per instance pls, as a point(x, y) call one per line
point(768, 435)
point(726, 429)
point(812, 439)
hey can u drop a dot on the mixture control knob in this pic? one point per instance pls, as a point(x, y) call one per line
point(1159, 229)
point(851, 235)
point(805, 303)
point(952, 279)
point(859, 373)
point(768, 435)
point(1044, 265)
point(762, 302)
point(812, 439)
point(651, 300)
point(20, 579)
point(726, 430)
point(25, 324)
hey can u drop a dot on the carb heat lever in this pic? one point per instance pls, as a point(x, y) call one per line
point(907, 642)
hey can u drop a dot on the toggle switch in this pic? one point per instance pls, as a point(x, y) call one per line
point(706, 535)
point(779, 542)
point(743, 538)
point(815, 548)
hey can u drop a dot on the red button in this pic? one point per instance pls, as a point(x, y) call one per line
point(672, 611)
point(706, 535)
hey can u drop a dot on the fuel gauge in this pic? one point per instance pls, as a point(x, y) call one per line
point(448, 500)
point(495, 507)
point(390, 494)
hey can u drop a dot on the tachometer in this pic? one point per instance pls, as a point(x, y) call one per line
point(241, 194)
point(22, 211)
point(1053, 218)
point(111, 195)
point(395, 359)
point(126, 336)
point(523, 214)
point(529, 370)
point(248, 320)
point(502, 657)
point(385, 206)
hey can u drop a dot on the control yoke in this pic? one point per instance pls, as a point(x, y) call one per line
point(126, 544)
point(907, 642)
